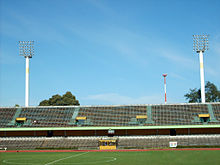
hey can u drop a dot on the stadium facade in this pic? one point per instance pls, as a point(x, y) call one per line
point(120, 126)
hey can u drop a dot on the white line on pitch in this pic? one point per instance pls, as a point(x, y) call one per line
point(66, 158)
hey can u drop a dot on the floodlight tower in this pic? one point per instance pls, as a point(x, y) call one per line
point(200, 45)
point(26, 49)
point(165, 87)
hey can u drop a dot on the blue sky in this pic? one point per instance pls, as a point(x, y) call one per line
point(107, 51)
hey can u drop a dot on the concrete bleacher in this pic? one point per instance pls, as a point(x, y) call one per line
point(49, 143)
point(192, 118)
point(216, 110)
point(142, 142)
point(52, 117)
point(178, 114)
point(121, 115)
point(6, 116)
point(123, 142)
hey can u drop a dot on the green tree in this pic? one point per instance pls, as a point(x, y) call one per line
point(212, 94)
point(44, 103)
point(56, 100)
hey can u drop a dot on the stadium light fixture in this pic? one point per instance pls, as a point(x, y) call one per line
point(165, 87)
point(26, 49)
point(200, 45)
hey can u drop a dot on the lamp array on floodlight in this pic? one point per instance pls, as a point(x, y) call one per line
point(200, 43)
point(26, 48)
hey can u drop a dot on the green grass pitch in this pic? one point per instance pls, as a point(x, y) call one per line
point(112, 158)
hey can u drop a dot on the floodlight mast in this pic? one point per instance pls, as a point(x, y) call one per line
point(26, 49)
point(200, 45)
point(165, 87)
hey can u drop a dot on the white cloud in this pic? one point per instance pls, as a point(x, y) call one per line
point(177, 57)
point(115, 98)
point(102, 7)
point(25, 27)
point(211, 71)
point(213, 58)
point(9, 57)
point(216, 46)
point(177, 76)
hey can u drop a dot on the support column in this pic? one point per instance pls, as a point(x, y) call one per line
point(165, 87)
point(27, 83)
point(202, 77)
point(165, 90)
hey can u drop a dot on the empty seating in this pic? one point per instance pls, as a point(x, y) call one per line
point(143, 142)
point(49, 143)
point(6, 115)
point(121, 115)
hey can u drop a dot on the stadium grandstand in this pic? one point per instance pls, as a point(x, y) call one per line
point(110, 127)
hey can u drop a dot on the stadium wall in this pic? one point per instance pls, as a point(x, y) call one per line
point(118, 132)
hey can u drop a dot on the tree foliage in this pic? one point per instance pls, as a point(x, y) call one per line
point(57, 100)
point(16, 105)
point(212, 94)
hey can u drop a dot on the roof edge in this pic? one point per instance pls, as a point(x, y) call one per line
point(107, 128)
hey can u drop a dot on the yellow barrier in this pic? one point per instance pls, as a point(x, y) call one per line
point(81, 118)
point(107, 144)
point(141, 116)
point(204, 115)
point(21, 119)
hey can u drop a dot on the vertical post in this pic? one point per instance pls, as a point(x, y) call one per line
point(200, 45)
point(202, 76)
point(165, 90)
point(165, 87)
point(26, 49)
point(27, 83)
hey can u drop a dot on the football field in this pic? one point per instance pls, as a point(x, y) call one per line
point(112, 158)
